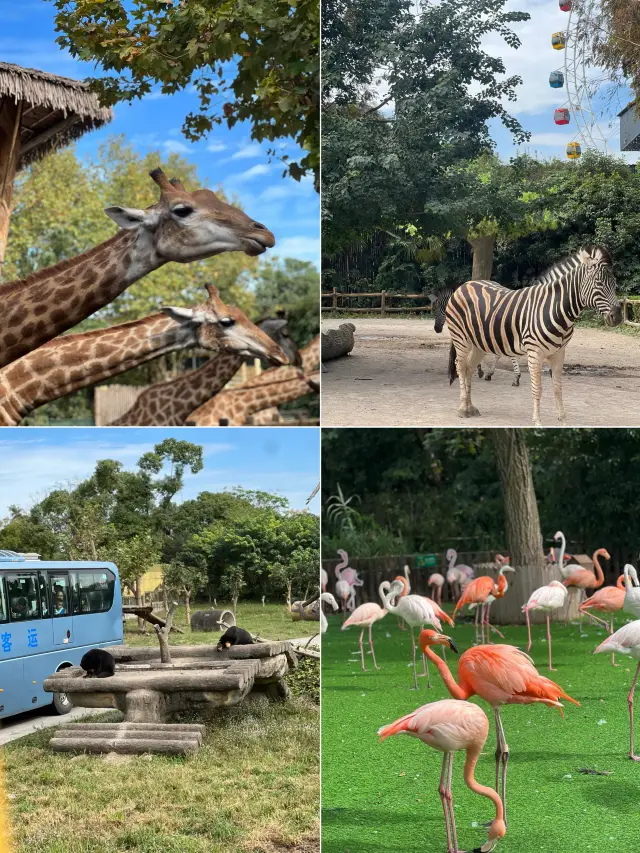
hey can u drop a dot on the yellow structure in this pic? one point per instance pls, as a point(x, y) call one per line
point(149, 582)
point(558, 41)
point(574, 151)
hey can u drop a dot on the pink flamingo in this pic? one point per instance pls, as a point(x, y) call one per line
point(626, 641)
point(545, 598)
point(582, 579)
point(436, 582)
point(448, 726)
point(343, 587)
point(364, 616)
point(481, 592)
point(609, 599)
point(324, 580)
point(406, 589)
point(499, 674)
point(414, 609)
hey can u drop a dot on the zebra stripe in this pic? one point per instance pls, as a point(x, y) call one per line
point(439, 302)
point(537, 321)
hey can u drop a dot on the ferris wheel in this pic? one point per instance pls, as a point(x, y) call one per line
point(582, 81)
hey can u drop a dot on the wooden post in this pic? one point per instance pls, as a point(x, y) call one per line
point(383, 302)
point(334, 300)
point(10, 118)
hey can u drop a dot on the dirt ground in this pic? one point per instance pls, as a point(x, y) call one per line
point(397, 376)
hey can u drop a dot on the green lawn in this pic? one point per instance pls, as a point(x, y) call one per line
point(383, 798)
point(273, 622)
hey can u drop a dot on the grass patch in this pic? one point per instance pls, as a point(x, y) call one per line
point(273, 621)
point(383, 798)
point(252, 787)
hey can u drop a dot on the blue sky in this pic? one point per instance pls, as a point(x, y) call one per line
point(534, 61)
point(227, 157)
point(283, 460)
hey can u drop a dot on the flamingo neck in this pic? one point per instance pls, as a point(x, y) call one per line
point(563, 546)
point(455, 690)
point(630, 577)
point(620, 582)
point(498, 828)
point(598, 568)
point(453, 558)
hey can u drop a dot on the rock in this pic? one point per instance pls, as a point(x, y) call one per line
point(212, 620)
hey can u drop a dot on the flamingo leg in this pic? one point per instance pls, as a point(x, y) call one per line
point(373, 654)
point(613, 657)
point(526, 613)
point(362, 651)
point(632, 755)
point(596, 619)
point(476, 623)
point(551, 669)
point(449, 799)
point(401, 625)
point(502, 755)
point(583, 597)
point(442, 790)
point(491, 627)
point(413, 651)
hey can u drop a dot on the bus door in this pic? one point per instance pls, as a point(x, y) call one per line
point(11, 667)
point(61, 608)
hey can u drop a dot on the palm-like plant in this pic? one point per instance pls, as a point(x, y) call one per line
point(340, 511)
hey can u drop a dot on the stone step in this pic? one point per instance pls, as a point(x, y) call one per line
point(67, 734)
point(124, 746)
point(196, 728)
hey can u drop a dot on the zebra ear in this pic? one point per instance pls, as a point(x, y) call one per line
point(585, 258)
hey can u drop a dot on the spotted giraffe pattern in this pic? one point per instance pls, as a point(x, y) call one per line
point(263, 393)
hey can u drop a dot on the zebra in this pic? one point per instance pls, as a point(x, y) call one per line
point(484, 317)
point(439, 302)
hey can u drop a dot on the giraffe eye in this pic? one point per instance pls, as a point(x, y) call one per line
point(182, 210)
point(227, 321)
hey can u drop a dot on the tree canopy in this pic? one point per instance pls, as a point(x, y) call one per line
point(253, 60)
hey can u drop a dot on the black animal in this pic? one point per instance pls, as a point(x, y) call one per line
point(234, 636)
point(98, 664)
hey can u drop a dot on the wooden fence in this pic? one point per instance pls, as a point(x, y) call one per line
point(382, 295)
point(506, 611)
point(630, 302)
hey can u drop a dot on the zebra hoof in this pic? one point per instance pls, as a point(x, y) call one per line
point(516, 383)
point(470, 412)
point(480, 372)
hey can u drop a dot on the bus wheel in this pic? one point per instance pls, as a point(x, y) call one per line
point(61, 703)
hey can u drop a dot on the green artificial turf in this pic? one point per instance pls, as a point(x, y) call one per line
point(383, 798)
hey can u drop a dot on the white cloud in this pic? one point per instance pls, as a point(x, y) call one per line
point(173, 146)
point(302, 247)
point(248, 152)
point(248, 175)
point(551, 140)
point(216, 147)
point(287, 188)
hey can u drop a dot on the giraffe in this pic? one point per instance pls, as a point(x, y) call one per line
point(71, 362)
point(181, 227)
point(270, 389)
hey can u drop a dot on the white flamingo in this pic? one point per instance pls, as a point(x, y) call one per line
point(436, 582)
point(414, 609)
point(326, 596)
point(626, 641)
point(406, 590)
point(632, 591)
point(456, 574)
point(324, 580)
point(545, 598)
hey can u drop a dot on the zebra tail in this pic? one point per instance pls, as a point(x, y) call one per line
point(453, 371)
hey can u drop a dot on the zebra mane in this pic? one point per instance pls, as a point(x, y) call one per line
point(570, 261)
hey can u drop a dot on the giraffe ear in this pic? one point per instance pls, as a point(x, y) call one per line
point(132, 217)
point(185, 315)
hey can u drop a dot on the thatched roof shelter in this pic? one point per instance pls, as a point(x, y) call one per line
point(39, 112)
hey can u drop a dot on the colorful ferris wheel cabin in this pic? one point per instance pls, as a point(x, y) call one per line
point(574, 151)
point(562, 116)
point(558, 41)
point(556, 79)
point(565, 5)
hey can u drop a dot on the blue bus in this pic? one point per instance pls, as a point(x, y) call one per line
point(51, 613)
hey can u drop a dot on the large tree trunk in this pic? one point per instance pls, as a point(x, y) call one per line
point(522, 528)
point(482, 257)
point(142, 625)
point(187, 604)
point(10, 117)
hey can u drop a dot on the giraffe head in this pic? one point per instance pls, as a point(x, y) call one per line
point(216, 326)
point(185, 227)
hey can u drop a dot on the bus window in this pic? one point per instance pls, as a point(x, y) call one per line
point(94, 591)
point(4, 613)
point(44, 596)
point(23, 597)
point(59, 586)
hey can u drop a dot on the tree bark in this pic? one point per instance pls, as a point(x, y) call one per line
point(482, 257)
point(187, 604)
point(10, 118)
point(163, 635)
point(522, 525)
point(142, 625)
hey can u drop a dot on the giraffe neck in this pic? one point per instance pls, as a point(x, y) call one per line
point(47, 303)
point(72, 362)
point(272, 388)
point(170, 403)
point(310, 355)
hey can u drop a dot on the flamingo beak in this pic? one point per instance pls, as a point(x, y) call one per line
point(452, 645)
